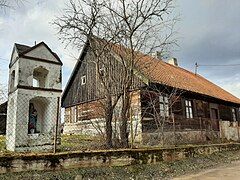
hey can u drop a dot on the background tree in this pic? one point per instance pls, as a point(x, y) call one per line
point(3, 93)
point(10, 3)
point(3, 89)
point(128, 27)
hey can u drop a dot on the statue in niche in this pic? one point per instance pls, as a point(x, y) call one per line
point(32, 122)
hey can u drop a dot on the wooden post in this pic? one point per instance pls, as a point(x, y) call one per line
point(131, 127)
point(174, 129)
point(200, 119)
point(56, 127)
point(238, 130)
point(220, 130)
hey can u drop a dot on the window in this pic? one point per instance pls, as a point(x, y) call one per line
point(102, 71)
point(40, 77)
point(234, 114)
point(189, 110)
point(12, 80)
point(164, 108)
point(83, 80)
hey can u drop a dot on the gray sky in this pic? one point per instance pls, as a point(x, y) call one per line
point(209, 33)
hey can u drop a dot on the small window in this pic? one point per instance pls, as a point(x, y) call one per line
point(83, 80)
point(12, 80)
point(164, 108)
point(234, 114)
point(102, 71)
point(189, 110)
point(40, 77)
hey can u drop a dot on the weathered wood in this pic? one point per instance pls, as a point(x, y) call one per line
point(91, 91)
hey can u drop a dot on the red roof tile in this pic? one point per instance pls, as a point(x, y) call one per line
point(158, 71)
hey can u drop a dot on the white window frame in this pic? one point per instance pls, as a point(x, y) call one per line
point(189, 109)
point(83, 80)
point(164, 106)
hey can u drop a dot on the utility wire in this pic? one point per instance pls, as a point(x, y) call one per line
point(213, 65)
point(218, 65)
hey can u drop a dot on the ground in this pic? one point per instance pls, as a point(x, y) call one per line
point(226, 172)
point(162, 170)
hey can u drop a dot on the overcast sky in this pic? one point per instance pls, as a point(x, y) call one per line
point(209, 33)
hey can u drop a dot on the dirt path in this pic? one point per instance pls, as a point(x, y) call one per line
point(228, 172)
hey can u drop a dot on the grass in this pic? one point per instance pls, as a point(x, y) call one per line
point(2, 143)
point(80, 142)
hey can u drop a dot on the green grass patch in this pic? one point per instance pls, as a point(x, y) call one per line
point(80, 142)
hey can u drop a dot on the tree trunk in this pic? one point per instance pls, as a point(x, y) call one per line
point(109, 131)
point(108, 117)
point(124, 120)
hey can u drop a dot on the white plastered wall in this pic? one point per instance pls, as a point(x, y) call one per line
point(46, 102)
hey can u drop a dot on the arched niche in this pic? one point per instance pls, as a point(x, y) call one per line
point(38, 115)
point(40, 77)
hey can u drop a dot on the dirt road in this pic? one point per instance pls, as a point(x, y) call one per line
point(229, 172)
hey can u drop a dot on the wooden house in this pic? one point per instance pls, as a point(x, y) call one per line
point(201, 110)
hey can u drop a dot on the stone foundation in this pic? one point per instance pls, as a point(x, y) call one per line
point(229, 130)
point(97, 127)
point(180, 137)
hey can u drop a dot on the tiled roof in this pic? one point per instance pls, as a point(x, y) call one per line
point(158, 71)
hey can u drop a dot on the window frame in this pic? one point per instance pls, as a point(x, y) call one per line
point(188, 108)
point(83, 80)
point(164, 105)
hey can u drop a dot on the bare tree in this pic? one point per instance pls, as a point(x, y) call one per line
point(3, 90)
point(10, 3)
point(126, 27)
point(77, 27)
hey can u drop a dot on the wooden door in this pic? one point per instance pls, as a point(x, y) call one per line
point(214, 113)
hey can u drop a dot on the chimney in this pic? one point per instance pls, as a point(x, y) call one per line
point(173, 61)
point(157, 54)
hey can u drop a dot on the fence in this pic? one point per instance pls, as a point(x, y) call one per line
point(31, 123)
point(3, 118)
point(179, 123)
point(34, 125)
point(177, 130)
